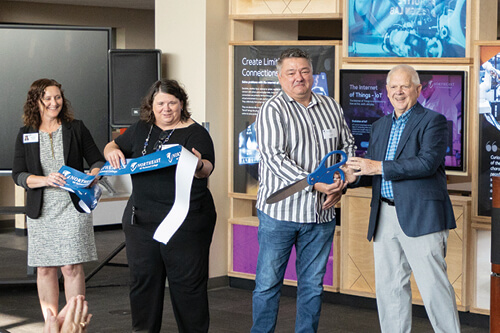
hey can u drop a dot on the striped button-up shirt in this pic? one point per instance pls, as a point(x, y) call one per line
point(292, 141)
point(398, 125)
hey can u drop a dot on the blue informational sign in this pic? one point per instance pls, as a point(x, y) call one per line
point(407, 28)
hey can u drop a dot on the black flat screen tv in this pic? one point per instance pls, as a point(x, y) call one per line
point(77, 57)
point(364, 99)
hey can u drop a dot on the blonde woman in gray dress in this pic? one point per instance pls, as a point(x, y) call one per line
point(60, 235)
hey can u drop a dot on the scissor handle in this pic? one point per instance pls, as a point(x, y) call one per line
point(322, 174)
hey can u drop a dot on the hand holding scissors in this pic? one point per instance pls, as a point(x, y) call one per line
point(322, 174)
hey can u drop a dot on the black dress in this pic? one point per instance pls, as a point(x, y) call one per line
point(184, 260)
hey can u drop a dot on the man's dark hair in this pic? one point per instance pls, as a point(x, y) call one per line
point(293, 53)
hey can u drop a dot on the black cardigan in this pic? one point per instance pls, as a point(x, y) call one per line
point(78, 144)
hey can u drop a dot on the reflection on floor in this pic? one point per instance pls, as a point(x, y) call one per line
point(107, 293)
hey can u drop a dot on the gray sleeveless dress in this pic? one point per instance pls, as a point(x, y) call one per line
point(60, 235)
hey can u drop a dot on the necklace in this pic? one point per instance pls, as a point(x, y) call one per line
point(162, 139)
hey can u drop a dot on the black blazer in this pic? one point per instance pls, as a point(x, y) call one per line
point(78, 144)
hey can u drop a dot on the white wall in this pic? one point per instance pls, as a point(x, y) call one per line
point(135, 28)
point(193, 36)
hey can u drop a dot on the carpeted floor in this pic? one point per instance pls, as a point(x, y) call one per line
point(230, 307)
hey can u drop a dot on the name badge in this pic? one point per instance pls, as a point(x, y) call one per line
point(30, 138)
point(329, 133)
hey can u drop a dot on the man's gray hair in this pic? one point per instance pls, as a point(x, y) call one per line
point(293, 53)
point(415, 79)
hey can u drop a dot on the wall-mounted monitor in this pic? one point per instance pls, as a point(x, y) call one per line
point(76, 57)
point(363, 97)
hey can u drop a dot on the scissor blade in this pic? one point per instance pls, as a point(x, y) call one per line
point(287, 191)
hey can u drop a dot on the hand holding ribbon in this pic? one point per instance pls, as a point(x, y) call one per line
point(77, 182)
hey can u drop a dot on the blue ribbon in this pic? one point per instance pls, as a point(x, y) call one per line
point(78, 182)
point(160, 159)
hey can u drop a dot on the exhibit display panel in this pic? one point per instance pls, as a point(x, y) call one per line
point(364, 100)
point(255, 80)
point(410, 29)
point(487, 154)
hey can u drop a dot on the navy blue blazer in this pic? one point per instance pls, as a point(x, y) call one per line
point(417, 173)
point(78, 144)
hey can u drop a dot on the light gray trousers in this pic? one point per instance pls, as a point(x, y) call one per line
point(396, 256)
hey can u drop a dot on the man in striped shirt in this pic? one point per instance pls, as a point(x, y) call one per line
point(295, 129)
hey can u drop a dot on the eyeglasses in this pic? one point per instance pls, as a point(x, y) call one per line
point(163, 139)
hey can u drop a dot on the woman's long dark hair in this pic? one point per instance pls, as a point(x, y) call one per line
point(31, 109)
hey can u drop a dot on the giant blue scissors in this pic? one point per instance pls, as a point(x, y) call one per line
point(322, 174)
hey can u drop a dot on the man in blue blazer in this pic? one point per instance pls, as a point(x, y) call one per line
point(411, 211)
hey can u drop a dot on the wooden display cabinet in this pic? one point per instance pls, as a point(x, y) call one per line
point(353, 254)
point(357, 267)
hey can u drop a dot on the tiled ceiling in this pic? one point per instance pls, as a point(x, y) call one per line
point(133, 4)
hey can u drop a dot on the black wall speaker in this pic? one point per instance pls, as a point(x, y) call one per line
point(131, 73)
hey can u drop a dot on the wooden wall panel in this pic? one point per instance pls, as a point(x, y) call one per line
point(357, 267)
point(279, 7)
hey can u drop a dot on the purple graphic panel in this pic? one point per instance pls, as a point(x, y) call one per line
point(246, 250)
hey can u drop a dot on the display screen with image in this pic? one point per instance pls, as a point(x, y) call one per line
point(406, 28)
point(363, 97)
